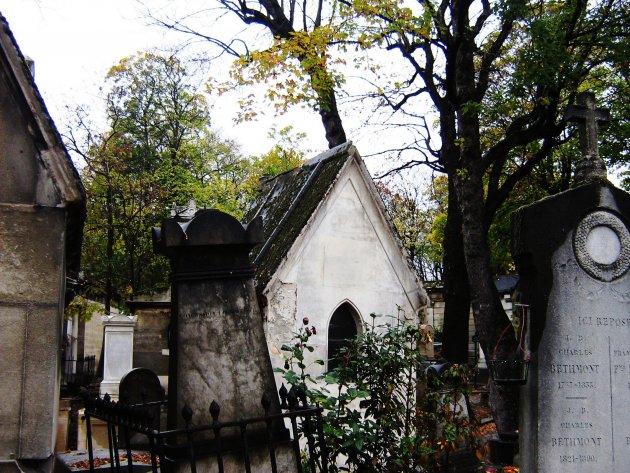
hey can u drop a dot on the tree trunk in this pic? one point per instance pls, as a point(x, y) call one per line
point(455, 277)
point(456, 289)
point(492, 324)
point(109, 265)
point(335, 134)
point(494, 329)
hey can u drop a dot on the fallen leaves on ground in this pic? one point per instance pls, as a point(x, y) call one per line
point(488, 429)
point(144, 458)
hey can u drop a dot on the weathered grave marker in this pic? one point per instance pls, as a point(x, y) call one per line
point(573, 253)
point(142, 386)
point(217, 344)
point(117, 351)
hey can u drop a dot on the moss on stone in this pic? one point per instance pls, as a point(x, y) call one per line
point(287, 204)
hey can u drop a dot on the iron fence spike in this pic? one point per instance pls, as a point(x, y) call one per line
point(301, 394)
point(215, 410)
point(292, 398)
point(266, 402)
point(187, 413)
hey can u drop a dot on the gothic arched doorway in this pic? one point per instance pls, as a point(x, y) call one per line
point(344, 326)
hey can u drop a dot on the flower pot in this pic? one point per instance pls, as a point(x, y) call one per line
point(508, 372)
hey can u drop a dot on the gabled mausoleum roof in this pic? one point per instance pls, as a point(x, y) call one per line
point(286, 204)
point(57, 182)
point(44, 131)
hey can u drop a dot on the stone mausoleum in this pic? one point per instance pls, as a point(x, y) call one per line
point(329, 252)
point(42, 208)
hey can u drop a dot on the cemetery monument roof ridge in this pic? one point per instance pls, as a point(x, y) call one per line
point(331, 153)
point(45, 134)
point(288, 201)
point(66, 190)
point(209, 227)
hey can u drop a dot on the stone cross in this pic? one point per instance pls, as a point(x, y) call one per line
point(590, 167)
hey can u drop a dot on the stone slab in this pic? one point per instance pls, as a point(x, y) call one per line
point(584, 372)
point(151, 338)
point(41, 382)
point(12, 330)
point(222, 353)
point(574, 407)
point(32, 267)
point(30, 371)
point(117, 352)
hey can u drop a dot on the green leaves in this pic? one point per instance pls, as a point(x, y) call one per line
point(156, 150)
point(81, 308)
point(297, 68)
point(373, 417)
point(419, 216)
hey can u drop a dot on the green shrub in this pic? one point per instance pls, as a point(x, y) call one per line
point(379, 413)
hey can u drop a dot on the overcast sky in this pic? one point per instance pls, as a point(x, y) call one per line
point(75, 42)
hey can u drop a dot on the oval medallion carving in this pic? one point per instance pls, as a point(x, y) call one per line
point(601, 244)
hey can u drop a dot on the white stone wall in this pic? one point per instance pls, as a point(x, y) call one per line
point(347, 253)
point(93, 338)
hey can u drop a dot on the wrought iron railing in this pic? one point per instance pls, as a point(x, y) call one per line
point(172, 450)
point(77, 373)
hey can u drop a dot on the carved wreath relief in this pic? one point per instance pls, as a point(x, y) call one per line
point(601, 244)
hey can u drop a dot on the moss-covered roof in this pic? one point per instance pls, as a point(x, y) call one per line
point(286, 204)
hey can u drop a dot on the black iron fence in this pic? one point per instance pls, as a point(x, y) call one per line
point(296, 432)
point(78, 372)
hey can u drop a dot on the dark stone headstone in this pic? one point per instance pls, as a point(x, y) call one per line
point(142, 386)
point(139, 386)
point(218, 349)
point(217, 345)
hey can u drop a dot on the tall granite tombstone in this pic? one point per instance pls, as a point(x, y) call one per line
point(217, 343)
point(572, 251)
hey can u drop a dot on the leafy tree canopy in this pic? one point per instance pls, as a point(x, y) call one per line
point(157, 150)
point(497, 76)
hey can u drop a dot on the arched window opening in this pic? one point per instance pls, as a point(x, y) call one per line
point(343, 328)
